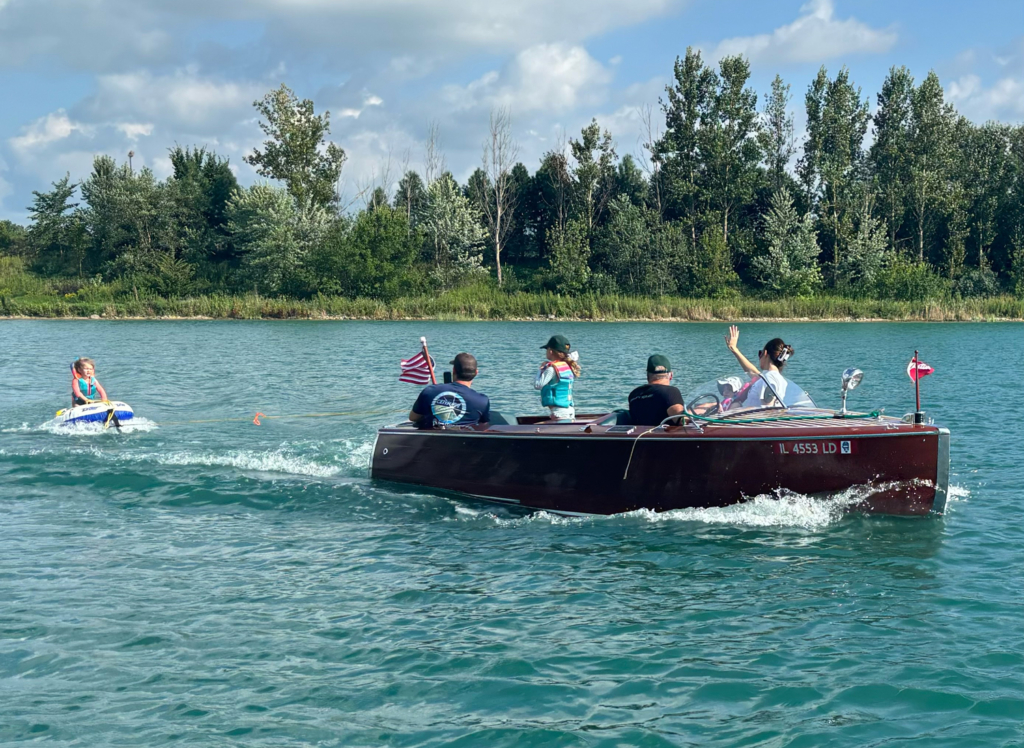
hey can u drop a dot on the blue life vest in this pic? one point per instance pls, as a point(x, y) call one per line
point(87, 387)
point(558, 392)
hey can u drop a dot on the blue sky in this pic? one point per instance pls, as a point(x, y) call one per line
point(107, 76)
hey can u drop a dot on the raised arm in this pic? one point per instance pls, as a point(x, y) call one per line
point(731, 341)
point(545, 376)
point(100, 391)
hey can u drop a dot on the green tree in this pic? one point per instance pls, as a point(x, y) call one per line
point(593, 173)
point(837, 121)
point(56, 237)
point(625, 244)
point(709, 272)
point(778, 140)
point(677, 152)
point(730, 147)
point(128, 218)
point(522, 241)
point(13, 238)
point(929, 148)
point(455, 235)
point(570, 256)
point(373, 256)
point(263, 222)
point(411, 198)
point(642, 253)
point(198, 192)
point(549, 204)
point(865, 255)
point(297, 151)
point(889, 154)
point(789, 266)
point(630, 181)
point(1017, 263)
point(985, 171)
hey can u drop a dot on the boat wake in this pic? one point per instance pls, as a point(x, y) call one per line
point(314, 460)
point(784, 509)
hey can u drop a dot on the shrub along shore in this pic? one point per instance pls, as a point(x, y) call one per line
point(492, 304)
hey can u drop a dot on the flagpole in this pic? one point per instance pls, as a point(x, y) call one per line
point(917, 381)
point(430, 364)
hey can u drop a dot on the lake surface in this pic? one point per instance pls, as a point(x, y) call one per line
point(223, 584)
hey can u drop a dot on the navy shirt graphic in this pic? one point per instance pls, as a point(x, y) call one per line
point(451, 405)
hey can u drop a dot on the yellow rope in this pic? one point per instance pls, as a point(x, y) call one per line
point(298, 415)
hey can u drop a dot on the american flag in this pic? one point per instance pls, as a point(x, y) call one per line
point(416, 370)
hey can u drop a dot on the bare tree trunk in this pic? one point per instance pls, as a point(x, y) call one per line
point(500, 154)
point(650, 134)
point(433, 157)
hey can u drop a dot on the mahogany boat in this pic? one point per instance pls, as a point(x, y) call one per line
point(708, 457)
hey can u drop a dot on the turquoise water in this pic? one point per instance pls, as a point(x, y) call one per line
point(223, 584)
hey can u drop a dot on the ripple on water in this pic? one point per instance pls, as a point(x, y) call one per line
point(243, 586)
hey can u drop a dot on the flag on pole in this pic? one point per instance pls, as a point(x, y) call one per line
point(921, 370)
point(416, 370)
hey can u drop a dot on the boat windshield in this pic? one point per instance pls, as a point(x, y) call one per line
point(733, 393)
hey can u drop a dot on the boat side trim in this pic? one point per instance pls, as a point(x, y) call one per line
point(666, 437)
point(373, 454)
point(942, 473)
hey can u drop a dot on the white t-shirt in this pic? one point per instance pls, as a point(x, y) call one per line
point(759, 396)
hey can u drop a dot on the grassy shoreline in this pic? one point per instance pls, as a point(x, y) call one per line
point(492, 304)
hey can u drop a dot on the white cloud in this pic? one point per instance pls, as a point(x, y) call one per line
point(1003, 100)
point(447, 26)
point(135, 130)
point(817, 35)
point(44, 131)
point(547, 77)
point(106, 35)
point(186, 98)
point(369, 100)
point(145, 113)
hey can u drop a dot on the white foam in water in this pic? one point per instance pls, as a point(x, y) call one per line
point(357, 454)
point(15, 429)
point(277, 461)
point(135, 425)
point(785, 509)
point(956, 493)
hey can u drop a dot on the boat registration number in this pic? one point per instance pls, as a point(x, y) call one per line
point(840, 447)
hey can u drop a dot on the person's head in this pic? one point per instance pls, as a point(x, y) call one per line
point(86, 367)
point(464, 367)
point(558, 349)
point(774, 354)
point(659, 370)
point(729, 386)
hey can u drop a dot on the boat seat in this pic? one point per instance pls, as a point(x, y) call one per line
point(617, 418)
point(497, 419)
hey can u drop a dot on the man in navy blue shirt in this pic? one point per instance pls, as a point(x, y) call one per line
point(455, 404)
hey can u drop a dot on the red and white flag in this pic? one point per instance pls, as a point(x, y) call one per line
point(416, 370)
point(920, 370)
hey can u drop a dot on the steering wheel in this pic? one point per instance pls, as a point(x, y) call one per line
point(705, 405)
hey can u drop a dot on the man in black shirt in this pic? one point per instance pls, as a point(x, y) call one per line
point(652, 403)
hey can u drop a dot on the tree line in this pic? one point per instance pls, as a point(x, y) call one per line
point(913, 201)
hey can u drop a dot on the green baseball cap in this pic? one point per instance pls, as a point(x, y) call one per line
point(658, 364)
point(558, 343)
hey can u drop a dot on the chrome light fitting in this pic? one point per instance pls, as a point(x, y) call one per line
point(851, 378)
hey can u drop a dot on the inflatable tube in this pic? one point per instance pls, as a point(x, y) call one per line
point(95, 413)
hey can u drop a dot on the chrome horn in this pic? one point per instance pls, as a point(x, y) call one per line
point(851, 378)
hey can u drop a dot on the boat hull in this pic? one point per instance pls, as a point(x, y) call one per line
point(563, 470)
